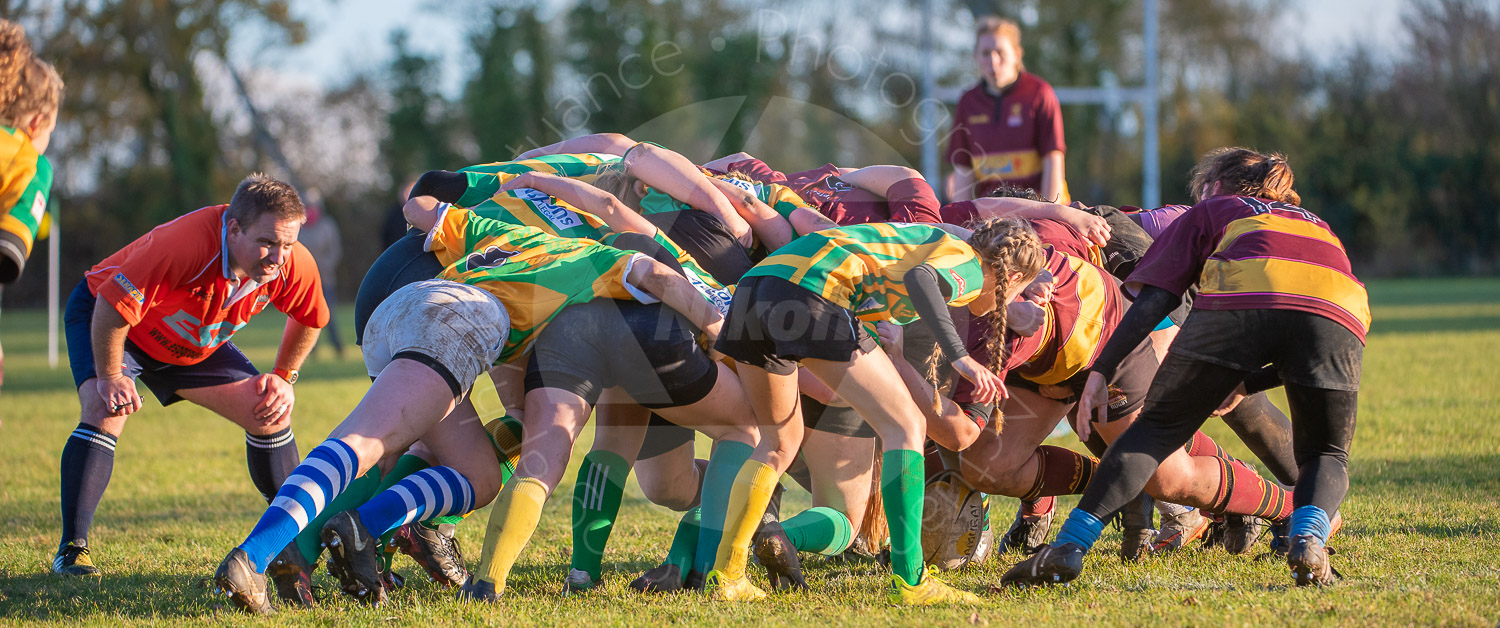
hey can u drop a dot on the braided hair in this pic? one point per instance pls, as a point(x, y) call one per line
point(1005, 246)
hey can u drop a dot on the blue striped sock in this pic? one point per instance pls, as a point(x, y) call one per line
point(329, 468)
point(1312, 520)
point(1081, 528)
point(431, 492)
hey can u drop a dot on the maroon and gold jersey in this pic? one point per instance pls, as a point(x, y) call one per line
point(1003, 139)
point(911, 200)
point(1249, 253)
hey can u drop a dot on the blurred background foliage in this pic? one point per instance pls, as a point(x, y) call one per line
point(1397, 149)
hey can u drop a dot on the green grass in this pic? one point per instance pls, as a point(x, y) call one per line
point(1422, 544)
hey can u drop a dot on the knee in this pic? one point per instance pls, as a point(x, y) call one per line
point(983, 473)
point(1172, 487)
point(781, 449)
point(676, 496)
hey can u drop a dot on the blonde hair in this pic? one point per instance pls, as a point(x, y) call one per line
point(1245, 172)
point(1000, 28)
point(1005, 246)
point(614, 179)
point(28, 85)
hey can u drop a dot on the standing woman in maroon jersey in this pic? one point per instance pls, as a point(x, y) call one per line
point(1008, 129)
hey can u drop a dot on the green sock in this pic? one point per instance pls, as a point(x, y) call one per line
point(822, 530)
point(310, 540)
point(901, 484)
point(685, 541)
point(406, 465)
point(596, 502)
point(718, 480)
point(507, 450)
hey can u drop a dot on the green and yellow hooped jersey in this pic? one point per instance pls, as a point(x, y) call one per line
point(535, 274)
point(779, 197)
point(485, 179)
point(532, 208)
point(861, 267)
point(25, 182)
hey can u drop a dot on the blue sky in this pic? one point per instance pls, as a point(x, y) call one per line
point(354, 34)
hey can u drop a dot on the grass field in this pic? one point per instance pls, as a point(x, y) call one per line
point(1422, 544)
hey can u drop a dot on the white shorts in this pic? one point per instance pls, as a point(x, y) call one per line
point(454, 328)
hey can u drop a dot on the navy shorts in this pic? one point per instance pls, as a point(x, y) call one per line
point(225, 365)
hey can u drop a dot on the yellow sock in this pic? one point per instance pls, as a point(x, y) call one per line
point(747, 503)
point(517, 511)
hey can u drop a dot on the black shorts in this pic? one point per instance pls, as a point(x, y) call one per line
point(773, 323)
point(1306, 349)
point(1127, 394)
point(663, 436)
point(226, 365)
point(650, 351)
point(708, 240)
point(405, 262)
point(834, 419)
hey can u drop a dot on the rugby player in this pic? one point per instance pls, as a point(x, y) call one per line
point(1277, 305)
point(28, 115)
point(164, 309)
point(800, 304)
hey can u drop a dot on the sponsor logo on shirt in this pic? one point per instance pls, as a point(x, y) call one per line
point(958, 280)
point(130, 289)
point(982, 118)
point(560, 217)
point(720, 299)
point(867, 305)
point(488, 258)
point(1014, 119)
point(741, 184)
point(838, 185)
point(192, 329)
point(38, 205)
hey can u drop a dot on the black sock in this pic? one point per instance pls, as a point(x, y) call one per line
point(88, 458)
point(271, 459)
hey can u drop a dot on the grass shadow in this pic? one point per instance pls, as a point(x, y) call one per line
point(43, 596)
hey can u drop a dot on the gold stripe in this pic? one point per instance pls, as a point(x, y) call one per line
point(1076, 352)
point(14, 225)
point(1288, 277)
point(1276, 224)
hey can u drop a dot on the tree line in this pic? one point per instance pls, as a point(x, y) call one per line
point(1394, 146)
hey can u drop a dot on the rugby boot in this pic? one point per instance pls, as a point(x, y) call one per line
point(1280, 530)
point(777, 554)
point(237, 578)
point(664, 578)
point(292, 576)
point(1053, 564)
point(931, 591)
point(725, 590)
point(1309, 561)
point(436, 551)
point(73, 560)
point(578, 581)
point(1028, 533)
point(352, 557)
point(480, 590)
point(695, 580)
point(1178, 529)
point(1236, 533)
point(1136, 531)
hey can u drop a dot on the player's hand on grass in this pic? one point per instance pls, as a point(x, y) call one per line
point(988, 387)
point(276, 398)
point(118, 393)
point(1093, 404)
point(1095, 228)
point(1232, 401)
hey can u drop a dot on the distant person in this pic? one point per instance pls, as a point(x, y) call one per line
point(164, 309)
point(320, 234)
point(395, 223)
point(1008, 129)
point(30, 92)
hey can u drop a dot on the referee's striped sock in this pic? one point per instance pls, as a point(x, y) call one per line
point(88, 459)
point(431, 492)
point(328, 470)
point(271, 458)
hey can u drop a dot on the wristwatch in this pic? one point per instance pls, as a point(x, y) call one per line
point(287, 374)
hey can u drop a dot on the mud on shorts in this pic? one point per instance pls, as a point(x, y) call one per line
point(648, 350)
point(455, 329)
point(774, 323)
